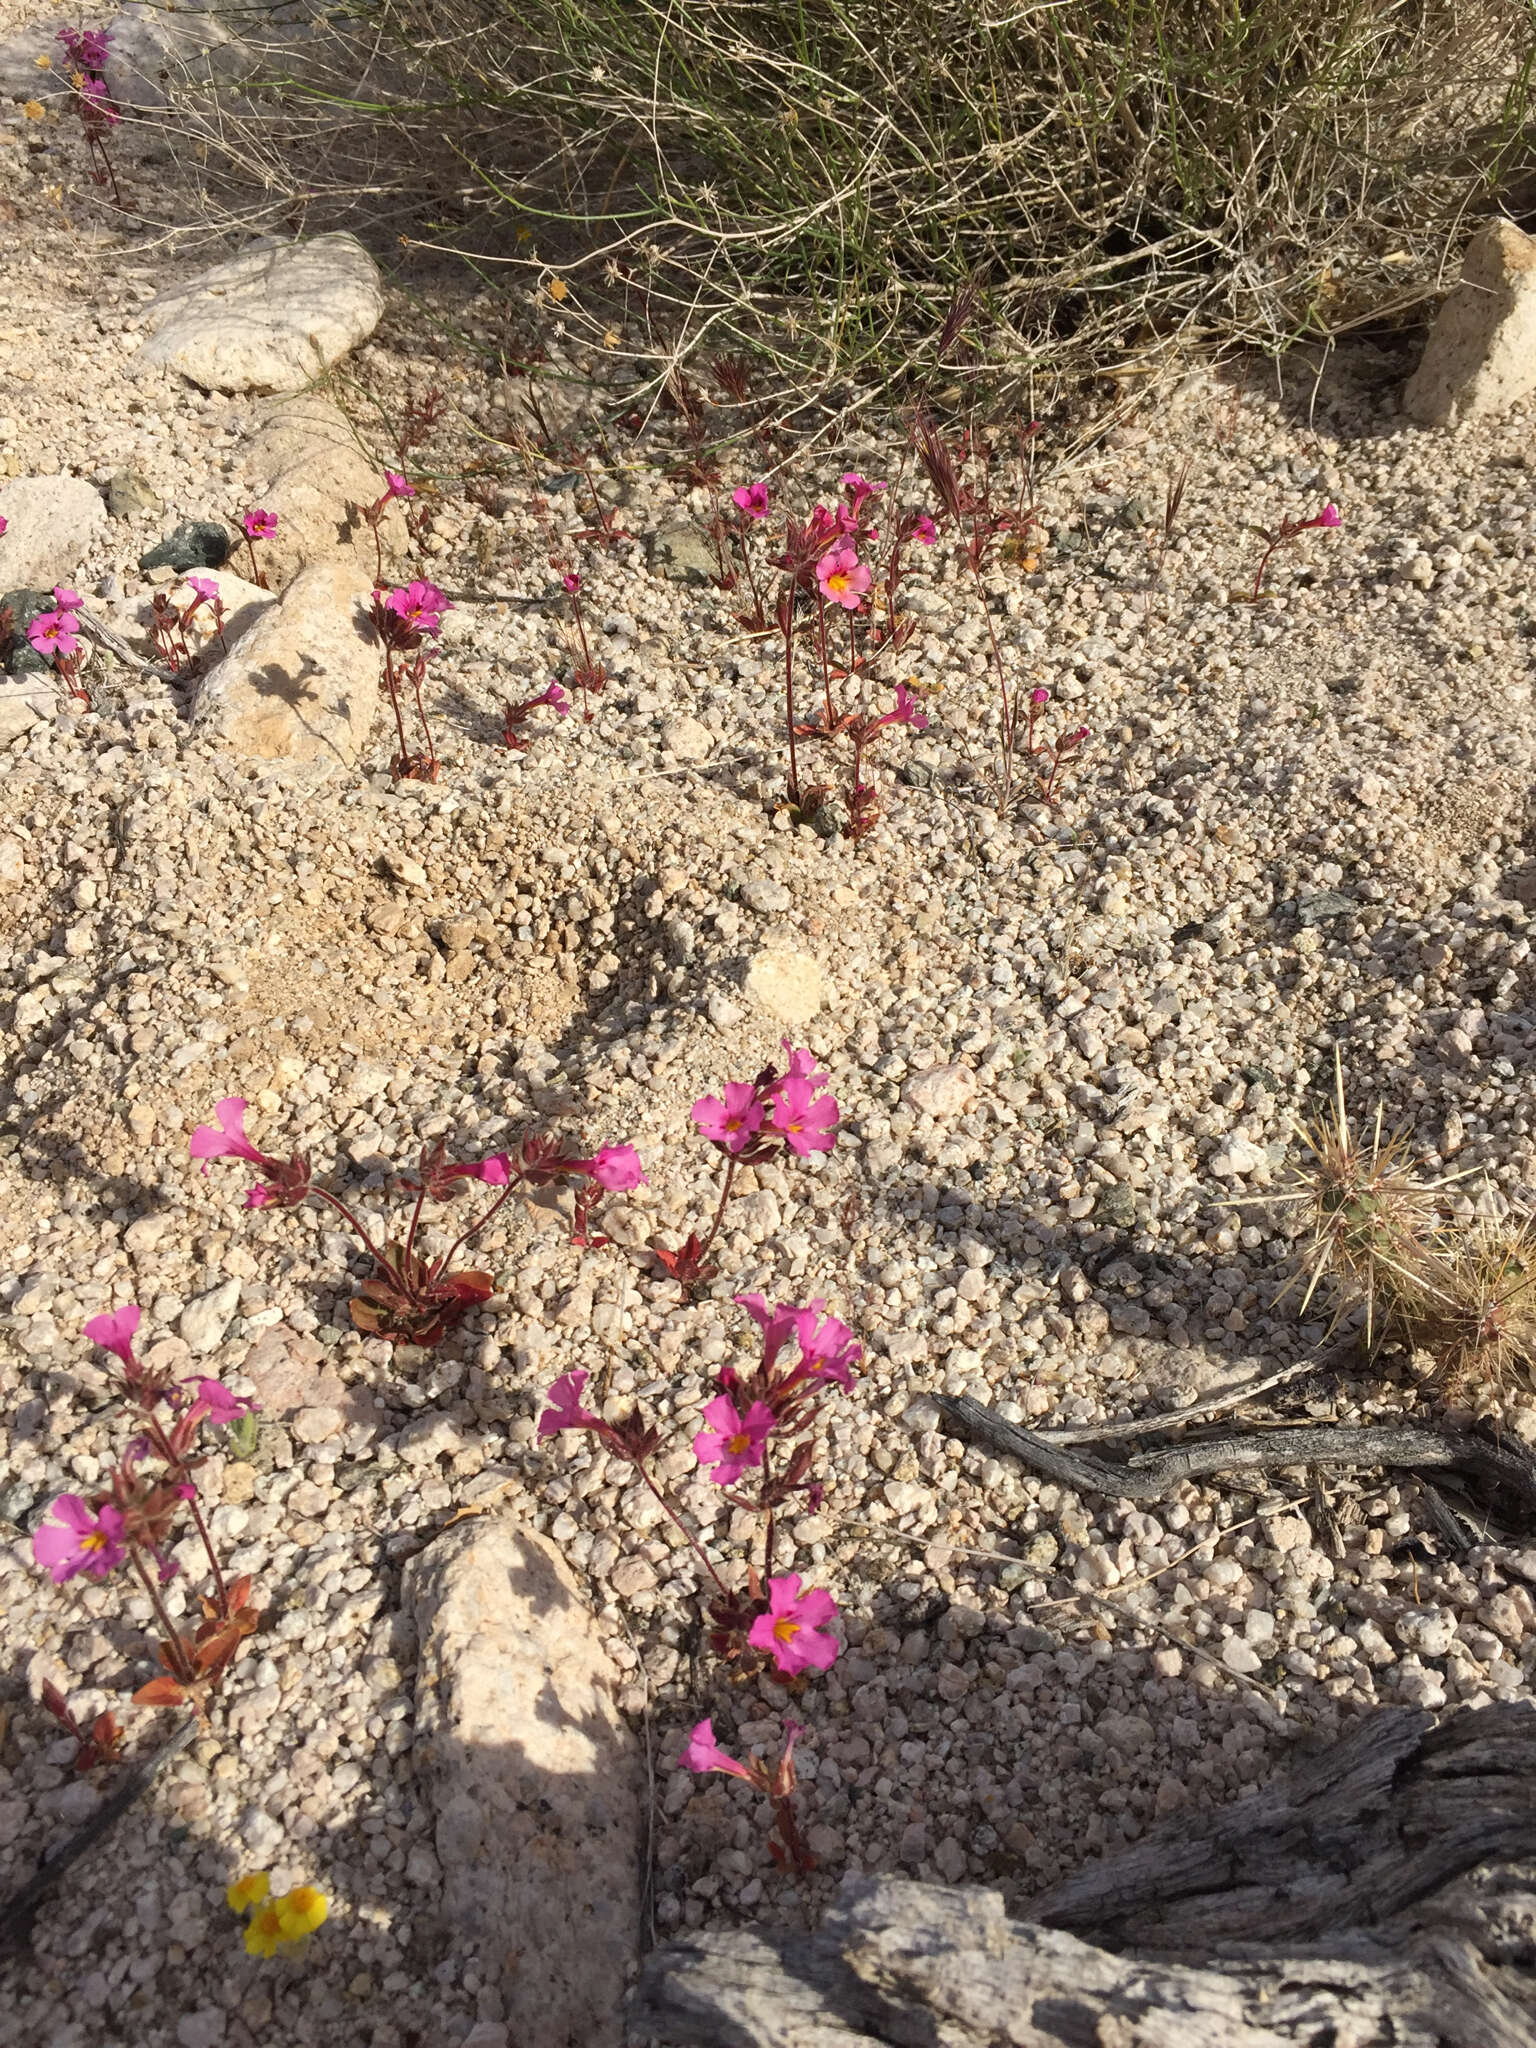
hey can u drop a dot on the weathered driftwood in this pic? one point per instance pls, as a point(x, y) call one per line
point(1375, 1897)
point(1152, 1475)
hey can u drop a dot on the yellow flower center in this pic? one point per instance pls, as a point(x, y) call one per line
point(737, 1444)
point(838, 580)
point(786, 1630)
point(95, 1541)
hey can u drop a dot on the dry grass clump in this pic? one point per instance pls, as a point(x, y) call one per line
point(1463, 1294)
point(817, 180)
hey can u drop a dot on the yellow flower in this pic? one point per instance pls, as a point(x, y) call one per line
point(264, 1933)
point(33, 110)
point(610, 339)
point(248, 1891)
point(45, 63)
point(301, 1911)
point(558, 288)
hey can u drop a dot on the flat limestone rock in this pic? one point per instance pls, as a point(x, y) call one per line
point(533, 1777)
point(1481, 354)
point(303, 684)
point(49, 523)
point(306, 465)
point(272, 318)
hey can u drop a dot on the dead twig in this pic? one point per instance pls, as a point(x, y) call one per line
point(1152, 1476)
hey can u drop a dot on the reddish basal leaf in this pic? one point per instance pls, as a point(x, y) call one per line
point(160, 1692)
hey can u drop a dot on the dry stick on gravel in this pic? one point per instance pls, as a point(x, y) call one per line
point(1156, 1425)
point(1152, 1476)
point(16, 1914)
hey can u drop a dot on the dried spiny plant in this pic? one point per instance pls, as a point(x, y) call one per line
point(1465, 1296)
point(1374, 1226)
point(1478, 1319)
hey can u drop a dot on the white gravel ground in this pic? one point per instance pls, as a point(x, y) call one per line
point(1298, 824)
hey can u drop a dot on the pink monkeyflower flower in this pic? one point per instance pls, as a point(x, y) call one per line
point(922, 529)
point(802, 1065)
point(496, 1171)
point(570, 582)
point(733, 1443)
point(53, 633)
point(617, 1168)
point(1041, 697)
point(705, 1754)
point(115, 1332)
point(94, 92)
point(565, 1410)
point(4, 522)
point(395, 485)
point(225, 1138)
point(792, 1631)
point(806, 1121)
point(843, 578)
point(733, 1122)
point(256, 1197)
point(1329, 516)
point(751, 499)
point(78, 1541)
point(778, 1325)
point(259, 525)
point(218, 1403)
point(858, 488)
point(205, 588)
point(821, 527)
point(556, 699)
point(420, 605)
point(65, 600)
point(828, 1348)
point(907, 712)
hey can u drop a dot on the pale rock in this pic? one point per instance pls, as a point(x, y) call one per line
point(758, 1214)
point(23, 705)
point(940, 1092)
point(302, 684)
point(687, 739)
point(1481, 354)
point(1428, 1630)
point(288, 1373)
point(317, 1425)
point(533, 1777)
point(156, 52)
point(201, 2029)
point(273, 318)
point(765, 895)
point(305, 465)
point(789, 986)
point(682, 554)
point(1238, 1156)
point(207, 1316)
point(50, 522)
point(13, 864)
point(904, 1496)
point(1238, 1657)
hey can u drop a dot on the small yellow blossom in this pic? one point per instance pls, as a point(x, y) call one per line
point(301, 1911)
point(248, 1891)
point(558, 288)
point(33, 110)
point(264, 1932)
point(45, 63)
point(610, 339)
